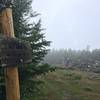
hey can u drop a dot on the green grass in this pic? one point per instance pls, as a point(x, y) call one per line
point(70, 85)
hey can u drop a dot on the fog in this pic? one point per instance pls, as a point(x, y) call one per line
point(70, 23)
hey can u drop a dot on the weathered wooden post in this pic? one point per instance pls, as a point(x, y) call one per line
point(13, 51)
point(11, 72)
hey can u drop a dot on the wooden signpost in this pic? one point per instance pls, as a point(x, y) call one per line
point(13, 51)
point(11, 72)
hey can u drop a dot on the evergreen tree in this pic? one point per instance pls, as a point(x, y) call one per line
point(32, 32)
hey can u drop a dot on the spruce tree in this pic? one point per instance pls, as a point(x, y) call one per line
point(32, 32)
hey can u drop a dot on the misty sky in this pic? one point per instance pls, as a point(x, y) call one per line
point(70, 23)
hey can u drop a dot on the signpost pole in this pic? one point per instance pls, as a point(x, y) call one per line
point(11, 72)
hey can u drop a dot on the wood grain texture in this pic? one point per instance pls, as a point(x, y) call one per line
point(11, 73)
point(6, 23)
point(12, 83)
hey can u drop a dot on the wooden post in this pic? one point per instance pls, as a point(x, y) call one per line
point(11, 72)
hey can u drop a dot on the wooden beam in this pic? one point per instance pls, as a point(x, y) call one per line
point(6, 23)
point(11, 72)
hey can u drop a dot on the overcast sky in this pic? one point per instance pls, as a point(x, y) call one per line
point(70, 23)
